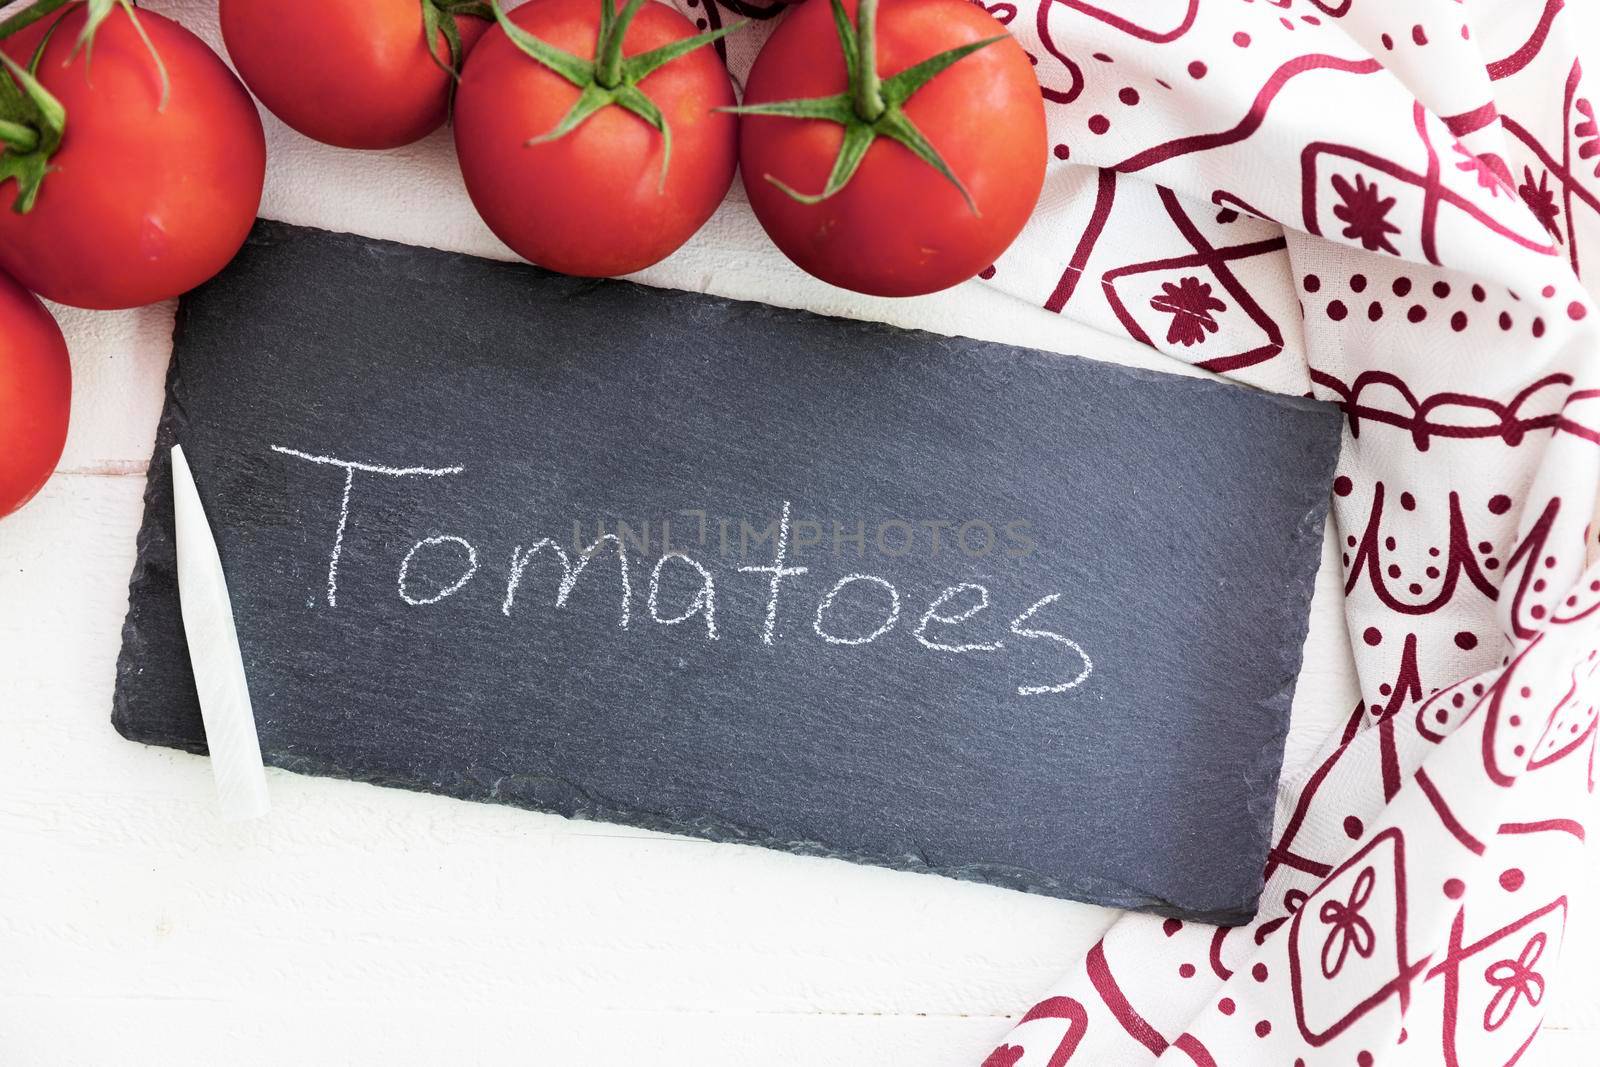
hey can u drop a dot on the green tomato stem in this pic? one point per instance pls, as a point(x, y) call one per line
point(608, 72)
point(18, 137)
point(868, 89)
point(608, 50)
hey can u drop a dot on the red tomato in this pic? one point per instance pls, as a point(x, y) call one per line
point(351, 73)
point(35, 395)
point(899, 227)
point(592, 202)
point(143, 202)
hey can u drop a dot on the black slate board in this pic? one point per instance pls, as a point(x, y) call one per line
point(1179, 520)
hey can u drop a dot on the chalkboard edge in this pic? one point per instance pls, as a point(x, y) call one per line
point(1085, 889)
point(1308, 538)
point(154, 548)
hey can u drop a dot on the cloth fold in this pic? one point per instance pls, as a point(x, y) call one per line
point(1386, 206)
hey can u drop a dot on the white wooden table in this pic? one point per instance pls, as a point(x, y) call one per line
point(358, 924)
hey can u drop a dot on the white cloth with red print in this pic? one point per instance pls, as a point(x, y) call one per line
point(1387, 205)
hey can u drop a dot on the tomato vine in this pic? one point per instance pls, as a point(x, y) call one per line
point(439, 17)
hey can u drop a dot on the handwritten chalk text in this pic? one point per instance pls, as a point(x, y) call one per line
point(877, 601)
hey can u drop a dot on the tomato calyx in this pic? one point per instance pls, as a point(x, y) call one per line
point(871, 107)
point(32, 120)
point(609, 78)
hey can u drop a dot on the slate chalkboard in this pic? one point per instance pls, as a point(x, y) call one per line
point(919, 601)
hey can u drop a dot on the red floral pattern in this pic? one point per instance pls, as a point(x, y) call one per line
point(1541, 200)
point(1348, 930)
point(1514, 980)
point(1190, 304)
point(1365, 213)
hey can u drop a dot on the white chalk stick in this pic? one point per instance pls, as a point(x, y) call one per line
point(215, 655)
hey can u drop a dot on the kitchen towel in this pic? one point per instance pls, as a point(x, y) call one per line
point(1389, 206)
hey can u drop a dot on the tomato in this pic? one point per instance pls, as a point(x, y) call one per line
point(351, 73)
point(143, 201)
point(594, 201)
point(898, 227)
point(35, 395)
